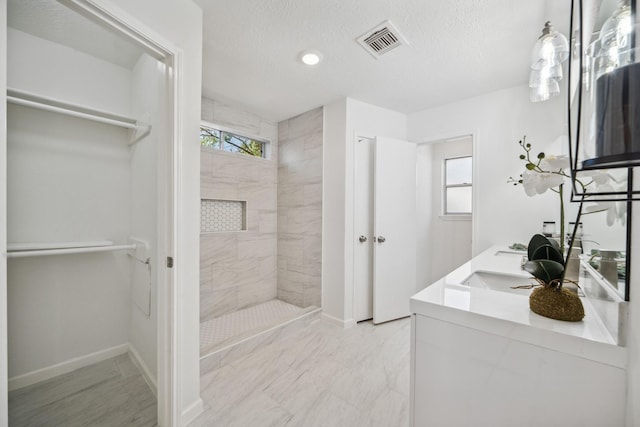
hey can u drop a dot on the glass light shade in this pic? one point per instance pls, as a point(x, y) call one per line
point(613, 47)
point(610, 122)
point(545, 91)
point(551, 47)
point(616, 31)
point(540, 77)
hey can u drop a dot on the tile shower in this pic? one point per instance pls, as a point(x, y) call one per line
point(261, 229)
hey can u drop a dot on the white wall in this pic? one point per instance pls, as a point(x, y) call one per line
point(66, 74)
point(180, 23)
point(424, 211)
point(333, 209)
point(147, 87)
point(504, 213)
point(343, 121)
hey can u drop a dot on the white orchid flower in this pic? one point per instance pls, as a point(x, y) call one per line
point(599, 177)
point(538, 182)
point(554, 163)
point(616, 211)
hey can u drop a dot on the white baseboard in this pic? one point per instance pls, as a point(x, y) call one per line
point(65, 367)
point(144, 369)
point(350, 323)
point(345, 324)
point(192, 412)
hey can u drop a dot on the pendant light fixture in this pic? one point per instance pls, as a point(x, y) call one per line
point(617, 93)
point(605, 116)
point(547, 56)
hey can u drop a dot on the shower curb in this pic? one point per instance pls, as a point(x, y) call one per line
point(223, 356)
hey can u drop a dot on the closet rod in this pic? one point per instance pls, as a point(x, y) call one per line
point(35, 101)
point(40, 246)
point(22, 254)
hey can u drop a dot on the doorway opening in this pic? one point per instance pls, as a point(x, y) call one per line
point(444, 199)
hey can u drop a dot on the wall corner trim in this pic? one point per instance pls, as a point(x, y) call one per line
point(345, 324)
point(191, 412)
point(143, 368)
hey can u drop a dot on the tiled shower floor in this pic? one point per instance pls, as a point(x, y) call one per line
point(215, 333)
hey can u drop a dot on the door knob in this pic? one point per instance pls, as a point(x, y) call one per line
point(362, 239)
point(381, 239)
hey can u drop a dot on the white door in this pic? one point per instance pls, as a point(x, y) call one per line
point(363, 229)
point(394, 278)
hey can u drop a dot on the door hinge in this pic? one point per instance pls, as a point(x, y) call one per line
point(169, 262)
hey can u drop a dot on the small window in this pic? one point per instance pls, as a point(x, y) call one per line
point(457, 186)
point(231, 142)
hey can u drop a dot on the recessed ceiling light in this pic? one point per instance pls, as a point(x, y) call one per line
point(310, 57)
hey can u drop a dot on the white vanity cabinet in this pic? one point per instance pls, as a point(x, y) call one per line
point(480, 357)
point(465, 377)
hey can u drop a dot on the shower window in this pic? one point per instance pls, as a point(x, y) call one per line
point(457, 186)
point(220, 139)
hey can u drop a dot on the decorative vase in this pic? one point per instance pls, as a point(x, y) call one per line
point(556, 303)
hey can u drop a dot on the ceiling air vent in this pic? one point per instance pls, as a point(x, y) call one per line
point(382, 39)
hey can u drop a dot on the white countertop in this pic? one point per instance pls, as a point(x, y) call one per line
point(508, 313)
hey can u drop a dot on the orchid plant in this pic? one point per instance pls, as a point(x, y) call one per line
point(547, 172)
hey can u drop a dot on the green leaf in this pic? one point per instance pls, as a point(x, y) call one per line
point(555, 244)
point(547, 252)
point(531, 166)
point(541, 247)
point(535, 242)
point(544, 269)
point(541, 155)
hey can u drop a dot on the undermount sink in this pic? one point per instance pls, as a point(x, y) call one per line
point(498, 282)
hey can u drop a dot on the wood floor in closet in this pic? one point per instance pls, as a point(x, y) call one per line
point(109, 393)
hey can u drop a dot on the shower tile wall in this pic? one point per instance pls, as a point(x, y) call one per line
point(238, 269)
point(300, 209)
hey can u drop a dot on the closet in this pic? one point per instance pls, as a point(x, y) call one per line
point(87, 127)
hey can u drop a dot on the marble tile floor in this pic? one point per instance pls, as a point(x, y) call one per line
point(319, 375)
point(109, 393)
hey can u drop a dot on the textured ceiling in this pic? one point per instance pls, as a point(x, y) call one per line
point(457, 49)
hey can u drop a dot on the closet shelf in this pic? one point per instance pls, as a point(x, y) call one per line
point(138, 130)
point(20, 250)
